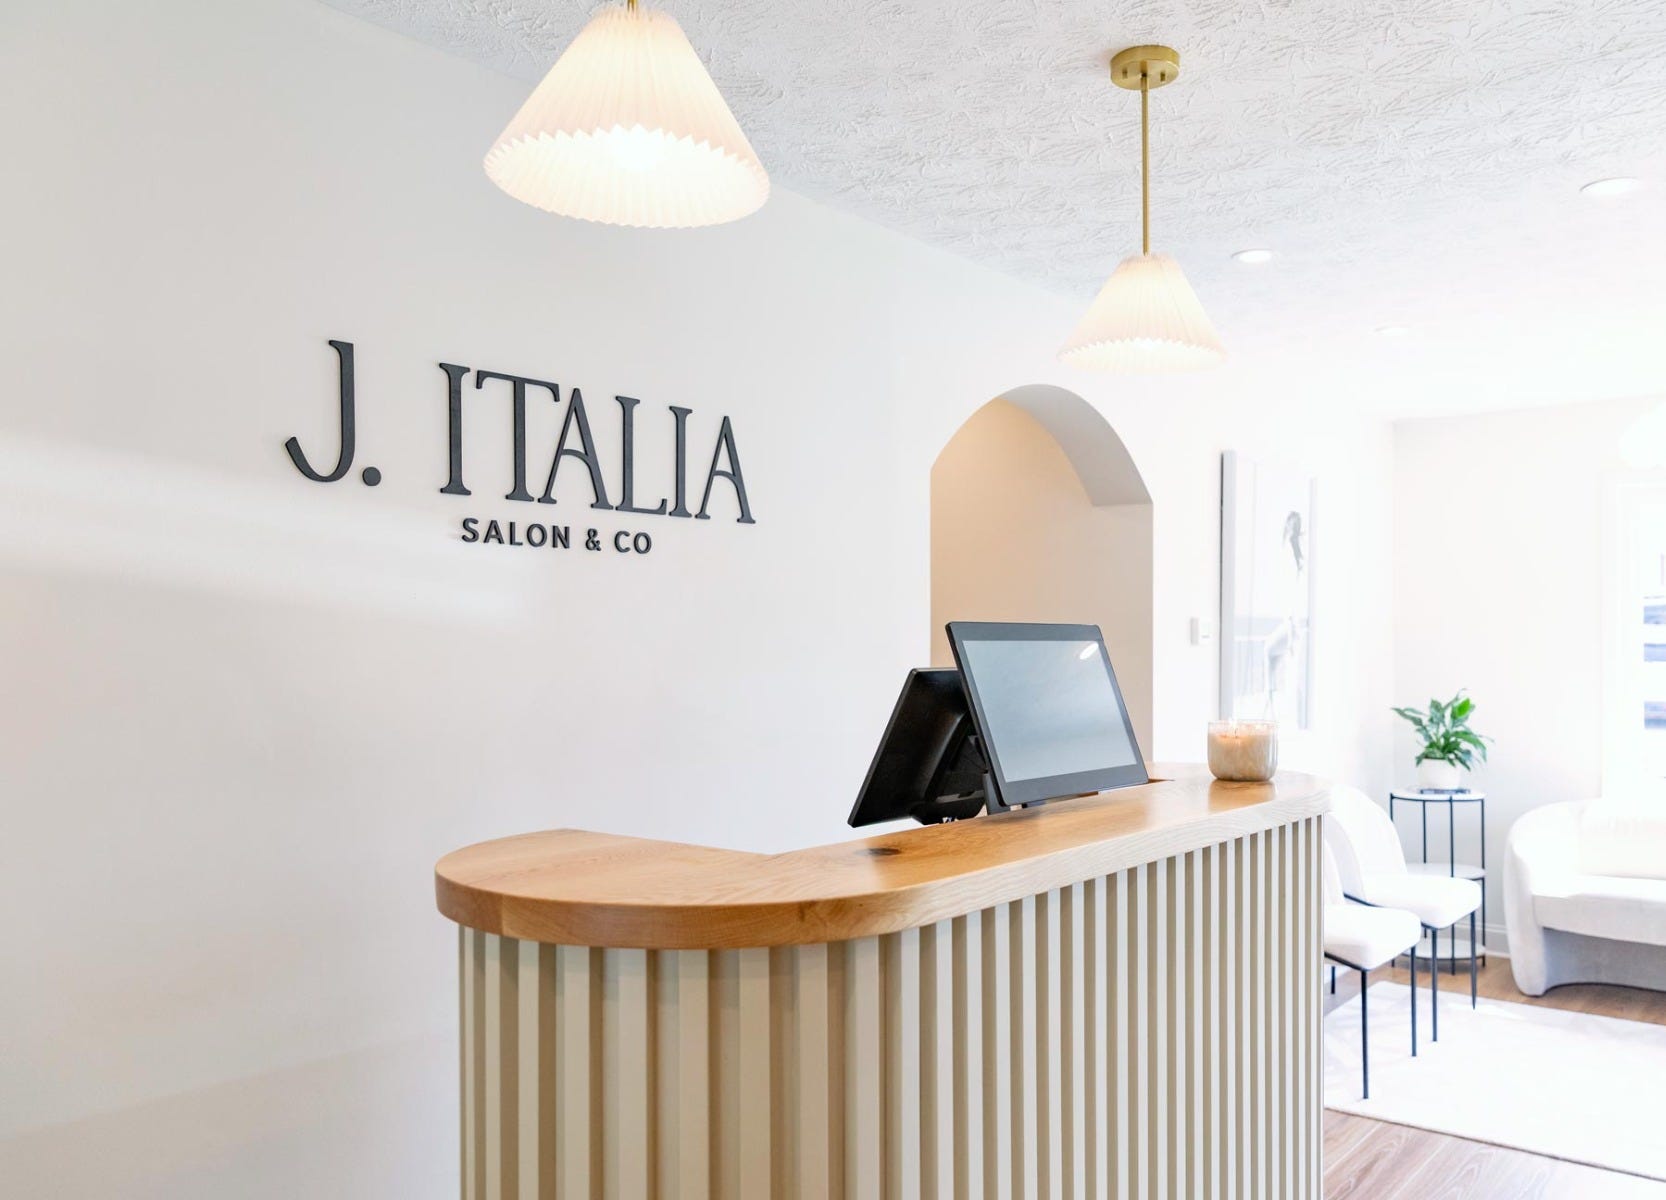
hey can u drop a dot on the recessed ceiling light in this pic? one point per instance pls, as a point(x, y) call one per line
point(1254, 257)
point(1621, 185)
point(1392, 330)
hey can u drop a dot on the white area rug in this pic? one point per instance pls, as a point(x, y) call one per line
point(1570, 1085)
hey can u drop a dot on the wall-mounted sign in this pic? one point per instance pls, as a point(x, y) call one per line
point(576, 446)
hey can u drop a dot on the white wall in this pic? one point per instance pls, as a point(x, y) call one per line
point(1014, 537)
point(1498, 565)
point(246, 712)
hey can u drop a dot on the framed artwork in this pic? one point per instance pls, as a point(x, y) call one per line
point(1267, 593)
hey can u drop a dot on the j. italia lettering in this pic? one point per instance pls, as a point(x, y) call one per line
point(595, 452)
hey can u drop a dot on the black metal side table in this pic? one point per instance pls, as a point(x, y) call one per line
point(1451, 867)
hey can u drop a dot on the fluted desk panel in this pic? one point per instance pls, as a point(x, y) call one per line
point(1116, 995)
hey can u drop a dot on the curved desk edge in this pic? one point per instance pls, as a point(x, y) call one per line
point(570, 887)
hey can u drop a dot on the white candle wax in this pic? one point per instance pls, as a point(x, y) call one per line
point(1243, 751)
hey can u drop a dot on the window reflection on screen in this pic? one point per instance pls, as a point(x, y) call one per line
point(1050, 707)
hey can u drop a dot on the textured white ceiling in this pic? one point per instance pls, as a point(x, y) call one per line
point(1412, 162)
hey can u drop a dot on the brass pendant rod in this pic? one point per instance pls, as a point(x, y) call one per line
point(1145, 163)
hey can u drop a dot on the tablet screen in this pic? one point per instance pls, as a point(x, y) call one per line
point(1048, 707)
point(1051, 706)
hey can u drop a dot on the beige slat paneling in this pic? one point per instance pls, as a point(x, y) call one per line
point(1141, 1139)
point(1117, 926)
point(1027, 1146)
point(1151, 1033)
point(530, 1055)
point(754, 1091)
point(467, 1054)
point(548, 1005)
point(937, 1094)
point(864, 1070)
point(966, 957)
point(492, 1054)
point(475, 1030)
point(627, 1064)
point(682, 1086)
point(1049, 1021)
point(810, 1153)
point(1196, 1134)
point(1096, 1045)
point(576, 1076)
point(999, 1113)
point(1074, 1059)
point(900, 1145)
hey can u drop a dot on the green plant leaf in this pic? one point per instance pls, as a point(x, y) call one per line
point(1416, 720)
point(1475, 741)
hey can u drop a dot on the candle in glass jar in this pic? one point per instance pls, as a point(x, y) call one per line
point(1243, 751)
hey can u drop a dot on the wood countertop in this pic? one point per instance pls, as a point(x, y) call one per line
point(570, 887)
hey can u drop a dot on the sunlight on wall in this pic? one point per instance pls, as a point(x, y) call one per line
point(1014, 537)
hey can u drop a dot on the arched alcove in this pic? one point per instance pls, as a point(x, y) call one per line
point(1038, 513)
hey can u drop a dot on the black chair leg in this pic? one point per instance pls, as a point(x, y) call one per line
point(1472, 960)
point(1434, 986)
point(1333, 981)
point(1364, 1043)
point(1414, 1000)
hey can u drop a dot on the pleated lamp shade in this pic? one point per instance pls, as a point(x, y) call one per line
point(629, 129)
point(1145, 318)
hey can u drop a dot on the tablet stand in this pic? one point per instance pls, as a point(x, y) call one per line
point(958, 806)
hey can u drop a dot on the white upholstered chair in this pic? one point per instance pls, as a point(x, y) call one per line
point(1363, 938)
point(1585, 892)
point(1372, 869)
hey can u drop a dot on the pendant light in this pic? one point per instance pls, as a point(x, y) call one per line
point(629, 129)
point(1146, 317)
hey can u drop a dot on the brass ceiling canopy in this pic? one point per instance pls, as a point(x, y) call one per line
point(1145, 68)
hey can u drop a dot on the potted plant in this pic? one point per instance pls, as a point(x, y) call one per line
point(1450, 746)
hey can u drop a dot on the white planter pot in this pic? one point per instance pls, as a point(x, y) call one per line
point(1439, 776)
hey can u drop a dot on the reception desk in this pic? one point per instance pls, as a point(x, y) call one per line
point(1116, 995)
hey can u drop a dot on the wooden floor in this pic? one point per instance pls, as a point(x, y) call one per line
point(1377, 1161)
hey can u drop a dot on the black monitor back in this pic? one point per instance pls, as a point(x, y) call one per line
point(928, 766)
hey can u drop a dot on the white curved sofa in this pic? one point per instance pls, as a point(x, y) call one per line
point(1585, 895)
